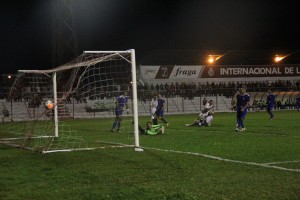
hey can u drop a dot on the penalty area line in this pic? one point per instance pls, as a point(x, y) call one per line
point(225, 159)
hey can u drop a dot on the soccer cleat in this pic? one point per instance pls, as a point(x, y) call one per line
point(237, 129)
point(272, 118)
point(243, 129)
point(167, 124)
point(112, 130)
point(118, 131)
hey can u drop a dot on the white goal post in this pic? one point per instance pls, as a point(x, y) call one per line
point(90, 76)
point(134, 93)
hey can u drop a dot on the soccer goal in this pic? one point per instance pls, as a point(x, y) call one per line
point(85, 88)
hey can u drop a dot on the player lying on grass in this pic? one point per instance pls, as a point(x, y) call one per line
point(152, 129)
point(204, 119)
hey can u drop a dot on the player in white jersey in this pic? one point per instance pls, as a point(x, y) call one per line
point(203, 122)
point(153, 108)
point(205, 118)
point(208, 107)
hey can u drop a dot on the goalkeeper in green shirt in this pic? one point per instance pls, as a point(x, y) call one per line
point(152, 129)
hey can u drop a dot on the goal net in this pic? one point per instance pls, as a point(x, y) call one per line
point(86, 89)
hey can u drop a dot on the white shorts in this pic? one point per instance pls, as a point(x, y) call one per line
point(153, 110)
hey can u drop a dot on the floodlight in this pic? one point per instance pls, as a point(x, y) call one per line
point(279, 58)
point(213, 58)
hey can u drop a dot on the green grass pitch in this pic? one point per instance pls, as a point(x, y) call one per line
point(183, 163)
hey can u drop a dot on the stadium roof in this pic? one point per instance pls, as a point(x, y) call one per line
point(228, 57)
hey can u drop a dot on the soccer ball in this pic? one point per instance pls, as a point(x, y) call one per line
point(49, 105)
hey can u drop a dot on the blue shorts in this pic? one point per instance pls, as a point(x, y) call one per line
point(118, 111)
point(241, 114)
point(159, 113)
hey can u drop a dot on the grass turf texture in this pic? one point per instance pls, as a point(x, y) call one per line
point(125, 174)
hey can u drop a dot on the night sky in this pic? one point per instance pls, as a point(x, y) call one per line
point(147, 25)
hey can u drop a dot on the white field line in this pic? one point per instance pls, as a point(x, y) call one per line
point(29, 137)
point(282, 162)
point(226, 160)
point(86, 149)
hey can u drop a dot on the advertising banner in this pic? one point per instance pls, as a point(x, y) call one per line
point(181, 73)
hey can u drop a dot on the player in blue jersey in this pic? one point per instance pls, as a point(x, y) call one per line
point(121, 102)
point(270, 104)
point(298, 103)
point(242, 105)
point(160, 110)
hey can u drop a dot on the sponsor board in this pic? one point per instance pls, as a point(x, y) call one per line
point(204, 72)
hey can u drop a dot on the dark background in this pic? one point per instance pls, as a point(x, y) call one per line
point(147, 25)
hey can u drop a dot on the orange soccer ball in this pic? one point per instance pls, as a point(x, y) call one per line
point(49, 105)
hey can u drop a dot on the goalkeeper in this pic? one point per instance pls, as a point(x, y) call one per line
point(152, 129)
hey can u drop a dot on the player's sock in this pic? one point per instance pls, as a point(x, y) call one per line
point(163, 119)
point(118, 125)
point(238, 123)
point(162, 129)
point(242, 124)
point(114, 126)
